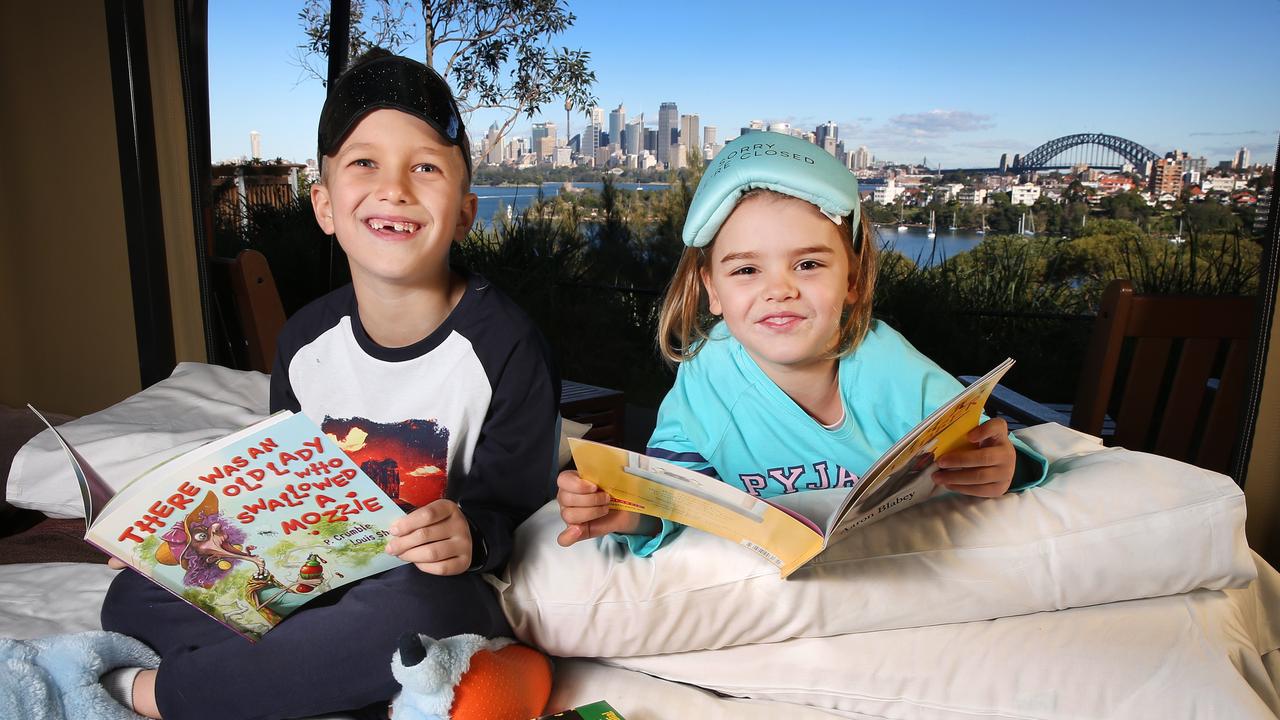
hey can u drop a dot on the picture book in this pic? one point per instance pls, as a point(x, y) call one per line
point(789, 530)
point(249, 527)
point(594, 711)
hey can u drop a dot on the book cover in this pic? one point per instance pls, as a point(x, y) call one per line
point(789, 530)
point(600, 710)
point(247, 528)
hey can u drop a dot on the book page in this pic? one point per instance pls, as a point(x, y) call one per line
point(903, 476)
point(94, 491)
point(642, 484)
point(250, 530)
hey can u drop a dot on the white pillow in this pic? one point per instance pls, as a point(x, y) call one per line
point(1200, 654)
point(195, 404)
point(1109, 525)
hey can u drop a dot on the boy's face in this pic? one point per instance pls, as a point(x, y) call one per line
point(778, 272)
point(395, 196)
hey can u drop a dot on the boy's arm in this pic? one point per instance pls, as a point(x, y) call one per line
point(513, 466)
point(282, 397)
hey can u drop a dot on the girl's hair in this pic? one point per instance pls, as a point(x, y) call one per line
point(685, 318)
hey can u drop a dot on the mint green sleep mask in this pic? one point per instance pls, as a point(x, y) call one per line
point(772, 161)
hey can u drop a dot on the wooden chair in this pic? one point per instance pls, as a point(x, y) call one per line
point(261, 316)
point(1170, 370)
point(258, 310)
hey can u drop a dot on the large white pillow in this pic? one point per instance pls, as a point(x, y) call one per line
point(1203, 654)
point(1109, 525)
point(195, 404)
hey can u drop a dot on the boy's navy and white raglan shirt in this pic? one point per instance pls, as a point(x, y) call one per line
point(469, 413)
point(725, 416)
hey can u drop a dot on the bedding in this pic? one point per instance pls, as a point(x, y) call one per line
point(956, 612)
point(43, 599)
point(1183, 656)
point(1109, 525)
point(197, 403)
point(1202, 654)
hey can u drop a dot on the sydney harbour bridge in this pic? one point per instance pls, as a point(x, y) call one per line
point(1097, 150)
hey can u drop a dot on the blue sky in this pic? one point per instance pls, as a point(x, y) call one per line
point(956, 82)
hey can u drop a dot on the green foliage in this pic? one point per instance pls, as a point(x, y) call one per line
point(494, 53)
point(589, 268)
point(305, 262)
point(977, 308)
point(1126, 206)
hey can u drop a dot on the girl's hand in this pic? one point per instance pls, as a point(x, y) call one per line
point(585, 511)
point(115, 564)
point(985, 470)
point(435, 537)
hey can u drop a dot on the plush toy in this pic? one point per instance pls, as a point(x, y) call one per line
point(57, 678)
point(468, 677)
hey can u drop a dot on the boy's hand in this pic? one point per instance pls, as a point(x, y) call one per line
point(115, 564)
point(585, 511)
point(435, 537)
point(985, 470)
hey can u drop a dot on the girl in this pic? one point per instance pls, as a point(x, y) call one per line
point(793, 386)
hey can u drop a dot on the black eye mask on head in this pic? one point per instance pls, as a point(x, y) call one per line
point(397, 83)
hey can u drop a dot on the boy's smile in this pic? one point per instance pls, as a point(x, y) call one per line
point(779, 274)
point(394, 194)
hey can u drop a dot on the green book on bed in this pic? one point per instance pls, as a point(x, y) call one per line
point(246, 528)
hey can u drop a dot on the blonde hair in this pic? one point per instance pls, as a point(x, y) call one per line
point(685, 318)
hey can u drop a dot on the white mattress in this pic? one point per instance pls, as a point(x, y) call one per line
point(50, 598)
point(45, 599)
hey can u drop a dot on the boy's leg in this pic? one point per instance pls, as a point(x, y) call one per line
point(141, 609)
point(323, 658)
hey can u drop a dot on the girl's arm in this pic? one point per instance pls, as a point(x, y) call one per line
point(586, 514)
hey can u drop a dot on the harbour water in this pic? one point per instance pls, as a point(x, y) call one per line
point(494, 199)
point(913, 242)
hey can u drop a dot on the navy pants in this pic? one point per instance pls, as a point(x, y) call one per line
point(334, 654)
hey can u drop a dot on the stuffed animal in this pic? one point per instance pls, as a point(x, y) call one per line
point(468, 677)
point(57, 678)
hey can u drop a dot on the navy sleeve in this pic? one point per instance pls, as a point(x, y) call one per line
point(282, 397)
point(513, 466)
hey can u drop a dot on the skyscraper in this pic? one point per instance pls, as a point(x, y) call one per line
point(1241, 161)
point(617, 121)
point(590, 141)
point(824, 131)
point(635, 137)
point(1166, 175)
point(493, 146)
point(861, 158)
point(668, 120)
point(709, 136)
point(543, 140)
point(255, 144)
point(689, 131)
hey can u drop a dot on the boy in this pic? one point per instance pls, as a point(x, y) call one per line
point(444, 375)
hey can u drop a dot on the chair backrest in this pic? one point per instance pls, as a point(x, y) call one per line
point(257, 306)
point(1171, 372)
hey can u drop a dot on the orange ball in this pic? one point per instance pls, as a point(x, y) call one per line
point(514, 682)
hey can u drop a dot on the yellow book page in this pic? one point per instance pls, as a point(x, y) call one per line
point(650, 486)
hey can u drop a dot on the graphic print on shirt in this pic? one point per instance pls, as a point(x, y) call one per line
point(787, 480)
point(409, 459)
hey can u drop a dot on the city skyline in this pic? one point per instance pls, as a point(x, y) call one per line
point(962, 105)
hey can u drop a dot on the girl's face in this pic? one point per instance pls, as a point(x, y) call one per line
point(778, 272)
